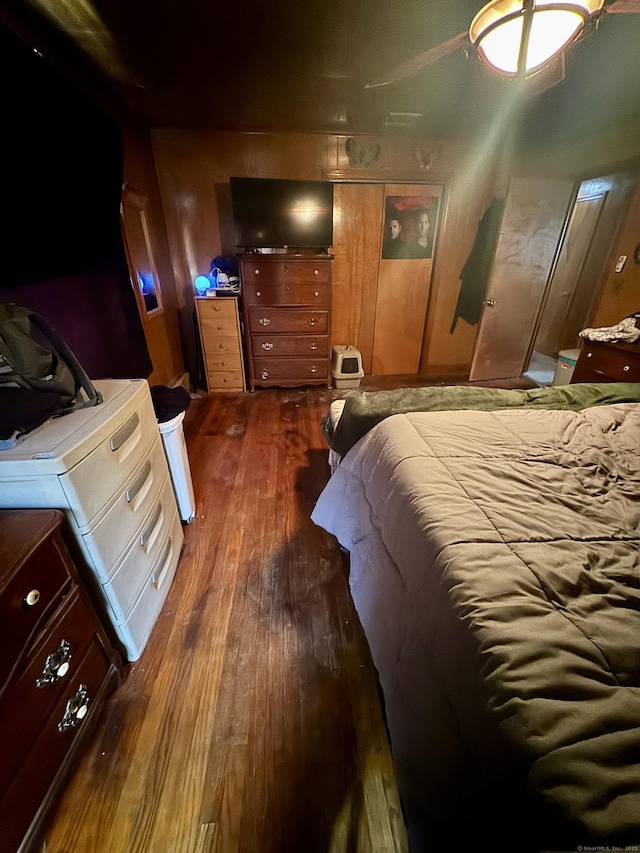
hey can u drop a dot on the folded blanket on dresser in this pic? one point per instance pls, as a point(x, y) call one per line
point(495, 568)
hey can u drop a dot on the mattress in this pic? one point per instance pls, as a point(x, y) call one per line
point(495, 570)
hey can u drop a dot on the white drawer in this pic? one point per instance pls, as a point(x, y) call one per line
point(91, 484)
point(129, 576)
point(104, 544)
point(135, 631)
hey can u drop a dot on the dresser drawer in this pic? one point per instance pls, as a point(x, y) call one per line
point(27, 601)
point(75, 712)
point(291, 320)
point(215, 325)
point(129, 576)
point(110, 464)
point(303, 369)
point(222, 346)
point(287, 346)
point(220, 309)
point(137, 628)
point(127, 512)
point(284, 293)
point(225, 362)
point(276, 272)
point(41, 677)
point(602, 363)
point(225, 380)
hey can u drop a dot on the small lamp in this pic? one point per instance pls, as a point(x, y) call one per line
point(521, 36)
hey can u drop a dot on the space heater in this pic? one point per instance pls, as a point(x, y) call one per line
point(346, 367)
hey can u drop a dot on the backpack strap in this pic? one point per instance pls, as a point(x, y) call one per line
point(93, 395)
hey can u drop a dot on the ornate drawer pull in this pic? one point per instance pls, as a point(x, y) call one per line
point(32, 598)
point(264, 321)
point(312, 321)
point(76, 709)
point(313, 369)
point(626, 368)
point(267, 346)
point(56, 665)
point(265, 374)
point(313, 346)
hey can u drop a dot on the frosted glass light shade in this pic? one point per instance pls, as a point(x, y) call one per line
point(498, 29)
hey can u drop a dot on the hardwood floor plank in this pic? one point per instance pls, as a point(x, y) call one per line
point(252, 721)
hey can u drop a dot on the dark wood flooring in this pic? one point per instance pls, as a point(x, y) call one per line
point(252, 721)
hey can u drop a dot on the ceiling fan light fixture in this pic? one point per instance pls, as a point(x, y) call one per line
point(521, 36)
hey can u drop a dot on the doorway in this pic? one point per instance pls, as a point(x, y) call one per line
point(548, 268)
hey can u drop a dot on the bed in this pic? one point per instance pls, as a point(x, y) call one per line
point(494, 565)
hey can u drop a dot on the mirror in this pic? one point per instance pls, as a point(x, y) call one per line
point(142, 268)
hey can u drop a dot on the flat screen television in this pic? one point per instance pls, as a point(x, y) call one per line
point(276, 213)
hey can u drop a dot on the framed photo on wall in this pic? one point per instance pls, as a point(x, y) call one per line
point(409, 226)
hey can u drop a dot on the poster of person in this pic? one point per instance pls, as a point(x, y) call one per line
point(409, 226)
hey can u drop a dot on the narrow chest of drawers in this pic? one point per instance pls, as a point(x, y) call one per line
point(220, 337)
point(287, 302)
point(57, 668)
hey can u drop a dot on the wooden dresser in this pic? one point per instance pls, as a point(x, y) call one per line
point(219, 324)
point(57, 668)
point(287, 311)
point(603, 361)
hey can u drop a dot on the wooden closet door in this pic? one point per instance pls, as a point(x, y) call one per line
point(404, 279)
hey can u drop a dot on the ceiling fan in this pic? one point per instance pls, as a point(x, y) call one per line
point(518, 15)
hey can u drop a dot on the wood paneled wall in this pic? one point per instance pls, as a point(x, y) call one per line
point(194, 168)
point(621, 291)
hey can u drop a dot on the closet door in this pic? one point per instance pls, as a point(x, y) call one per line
point(410, 222)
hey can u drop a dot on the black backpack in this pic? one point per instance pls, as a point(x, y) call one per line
point(40, 377)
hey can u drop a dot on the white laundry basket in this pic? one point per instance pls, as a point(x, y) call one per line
point(175, 449)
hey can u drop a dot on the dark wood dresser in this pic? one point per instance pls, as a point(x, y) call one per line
point(57, 668)
point(603, 361)
point(287, 314)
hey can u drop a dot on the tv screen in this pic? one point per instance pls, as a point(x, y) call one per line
point(274, 213)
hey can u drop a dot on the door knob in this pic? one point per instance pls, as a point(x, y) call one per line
point(490, 302)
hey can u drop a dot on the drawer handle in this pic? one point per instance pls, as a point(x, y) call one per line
point(76, 709)
point(313, 369)
point(316, 293)
point(264, 321)
point(32, 598)
point(256, 272)
point(265, 374)
point(312, 321)
point(316, 272)
point(139, 482)
point(267, 346)
point(258, 293)
point(160, 573)
point(626, 368)
point(313, 346)
point(589, 354)
point(124, 433)
point(146, 533)
point(56, 665)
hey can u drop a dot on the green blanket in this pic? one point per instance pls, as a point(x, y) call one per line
point(363, 410)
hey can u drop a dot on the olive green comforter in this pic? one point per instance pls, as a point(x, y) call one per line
point(495, 567)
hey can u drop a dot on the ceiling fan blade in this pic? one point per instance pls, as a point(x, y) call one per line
point(624, 7)
point(423, 60)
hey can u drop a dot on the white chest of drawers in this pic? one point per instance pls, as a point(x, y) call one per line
point(106, 469)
